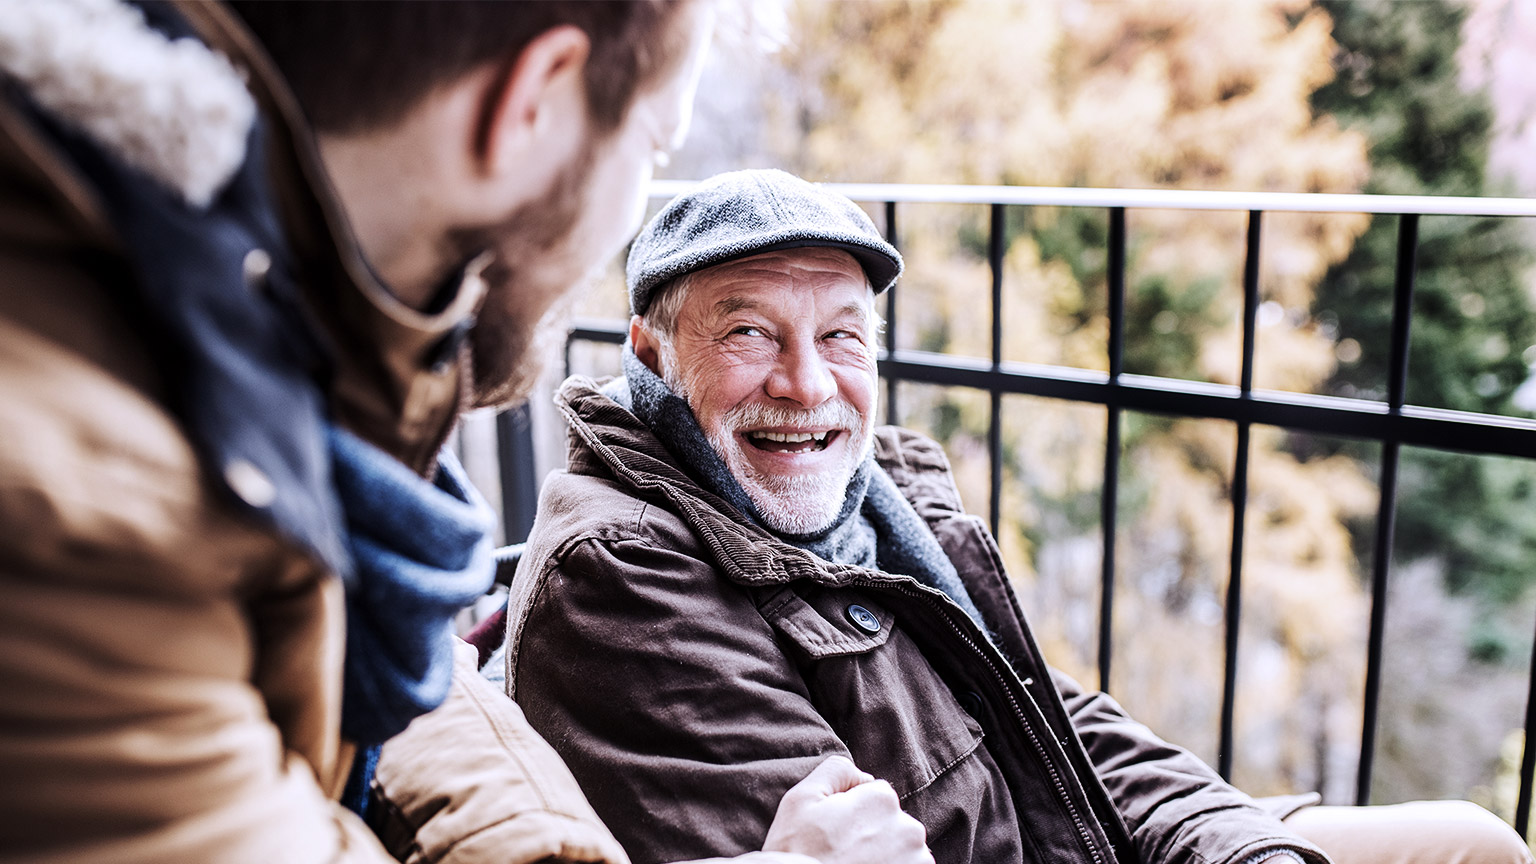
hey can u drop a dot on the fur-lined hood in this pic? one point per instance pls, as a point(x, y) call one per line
point(176, 110)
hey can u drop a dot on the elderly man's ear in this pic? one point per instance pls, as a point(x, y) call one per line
point(532, 116)
point(644, 345)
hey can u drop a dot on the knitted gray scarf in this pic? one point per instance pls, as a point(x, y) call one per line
point(876, 526)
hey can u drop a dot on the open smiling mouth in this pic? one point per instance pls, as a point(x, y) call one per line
point(792, 442)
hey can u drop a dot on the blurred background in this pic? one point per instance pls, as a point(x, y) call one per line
point(1431, 97)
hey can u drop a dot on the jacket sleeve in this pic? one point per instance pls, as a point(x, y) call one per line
point(681, 767)
point(470, 782)
point(1178, 810)
point(128, 735)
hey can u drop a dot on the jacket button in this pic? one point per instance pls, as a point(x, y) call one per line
point(250, 483)
point(863, 618)
point(254, 268)
point(971, 702)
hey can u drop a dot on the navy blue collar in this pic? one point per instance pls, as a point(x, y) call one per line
point(216, 292)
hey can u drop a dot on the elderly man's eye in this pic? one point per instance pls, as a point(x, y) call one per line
point(746, 331)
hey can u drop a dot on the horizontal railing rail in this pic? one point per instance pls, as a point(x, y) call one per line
point(1392, 423)
point(1160, 199)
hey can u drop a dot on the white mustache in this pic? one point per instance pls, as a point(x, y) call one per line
point(836, 414)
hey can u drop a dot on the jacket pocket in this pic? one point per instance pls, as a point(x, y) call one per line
point(872, 685)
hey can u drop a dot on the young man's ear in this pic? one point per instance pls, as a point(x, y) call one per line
point(645, 347)
point(531, 104)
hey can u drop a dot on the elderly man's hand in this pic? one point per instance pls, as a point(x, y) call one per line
point(841, 815)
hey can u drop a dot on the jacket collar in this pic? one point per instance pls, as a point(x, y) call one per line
point(399, 378)
point(174, 110)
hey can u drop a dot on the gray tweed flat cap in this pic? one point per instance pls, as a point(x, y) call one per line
point(743, 213)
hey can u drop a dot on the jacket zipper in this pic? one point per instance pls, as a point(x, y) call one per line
point(1013, 703)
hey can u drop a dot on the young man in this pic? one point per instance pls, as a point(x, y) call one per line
point(739, 575)
point(232, 351)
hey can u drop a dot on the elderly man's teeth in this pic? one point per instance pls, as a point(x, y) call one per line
point(791, 437)
point(790, 442)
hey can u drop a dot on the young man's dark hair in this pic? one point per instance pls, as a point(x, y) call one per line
point(354, 66)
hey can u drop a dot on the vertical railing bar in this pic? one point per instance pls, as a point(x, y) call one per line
point(1527, 755)
point(1402, 310)
point(1386, 515)
point(515, 463)
point(891, 415)
point(1234, 605)
point(1234, 602)
point(996, 240)
point(1250, 299)
point(1108, 516)
point(1116, 280)
point(1109, 500)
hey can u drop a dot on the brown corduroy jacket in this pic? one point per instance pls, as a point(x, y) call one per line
point(689, 667)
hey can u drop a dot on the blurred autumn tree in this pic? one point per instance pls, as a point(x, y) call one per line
point(1213, 95)
point(1208, 95)
point(1465, 525)
point(1200, 94)
point(1399, 85)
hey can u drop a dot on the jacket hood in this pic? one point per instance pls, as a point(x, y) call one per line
point(174, 109)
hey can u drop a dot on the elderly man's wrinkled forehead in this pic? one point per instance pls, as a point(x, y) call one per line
point(809, 269)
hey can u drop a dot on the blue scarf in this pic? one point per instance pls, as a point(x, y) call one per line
point(422, 550)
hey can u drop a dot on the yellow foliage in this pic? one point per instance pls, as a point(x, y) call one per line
point(1200, 94)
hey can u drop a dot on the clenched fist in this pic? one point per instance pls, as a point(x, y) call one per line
point(841, 815)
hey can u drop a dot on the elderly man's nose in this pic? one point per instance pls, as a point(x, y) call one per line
point(802, 376)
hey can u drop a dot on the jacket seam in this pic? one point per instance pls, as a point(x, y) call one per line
point(517, 625)
point(782, 596)
point(501, 739)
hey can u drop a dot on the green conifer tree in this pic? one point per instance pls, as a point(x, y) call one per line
point(1397, 82)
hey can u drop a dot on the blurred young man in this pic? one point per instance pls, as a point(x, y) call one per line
point(232, 349)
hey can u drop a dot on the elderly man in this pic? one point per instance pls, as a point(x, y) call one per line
point(739, 574)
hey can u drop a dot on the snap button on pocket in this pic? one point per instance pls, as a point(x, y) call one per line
point(863, 618)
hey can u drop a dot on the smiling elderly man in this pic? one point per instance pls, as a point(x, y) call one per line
point(739, 575)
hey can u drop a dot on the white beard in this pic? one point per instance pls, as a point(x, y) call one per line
point(793, 503)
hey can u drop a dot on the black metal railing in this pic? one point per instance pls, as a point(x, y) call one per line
point(1392, 423)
